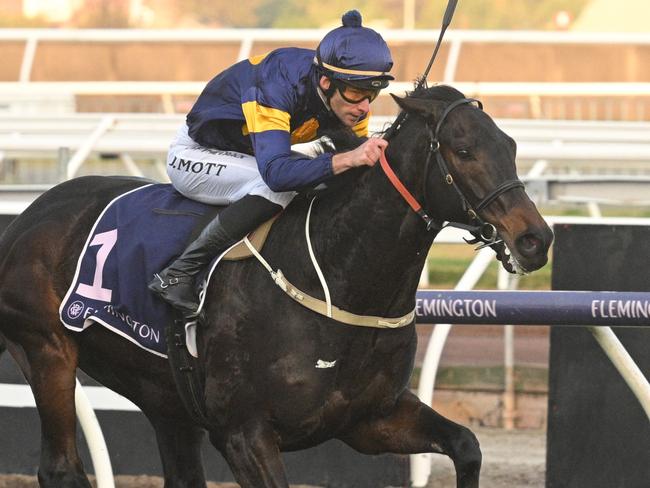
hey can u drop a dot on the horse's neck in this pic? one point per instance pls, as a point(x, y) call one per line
point(371, 248)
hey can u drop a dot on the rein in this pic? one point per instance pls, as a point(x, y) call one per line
point(482, 231)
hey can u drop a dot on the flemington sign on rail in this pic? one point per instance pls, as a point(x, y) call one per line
point(616, 309)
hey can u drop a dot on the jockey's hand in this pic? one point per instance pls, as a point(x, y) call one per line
point(367, 154)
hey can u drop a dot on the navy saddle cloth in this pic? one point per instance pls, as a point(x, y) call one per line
point(137, 235)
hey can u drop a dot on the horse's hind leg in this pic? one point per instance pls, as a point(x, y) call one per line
point(253, 455)
point(413, 427)
point(53, 383)
point(48, 359)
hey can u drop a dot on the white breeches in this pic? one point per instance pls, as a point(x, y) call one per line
point(216, 177)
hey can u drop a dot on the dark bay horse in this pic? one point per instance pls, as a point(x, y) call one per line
point(258, 349)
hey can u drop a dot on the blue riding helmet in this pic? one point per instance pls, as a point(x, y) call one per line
point(355, 55)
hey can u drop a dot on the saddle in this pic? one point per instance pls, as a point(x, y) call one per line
point(257, 238)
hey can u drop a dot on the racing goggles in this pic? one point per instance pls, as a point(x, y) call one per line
point(355, 95)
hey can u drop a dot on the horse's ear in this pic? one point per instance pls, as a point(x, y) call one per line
point(426, 108)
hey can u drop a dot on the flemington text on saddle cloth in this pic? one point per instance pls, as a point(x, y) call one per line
point(136, 235)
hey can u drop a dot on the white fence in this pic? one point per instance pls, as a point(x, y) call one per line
point(586, 100)
point(582, 159)
point(17, 97)
point(247, 37)
point(151, 134)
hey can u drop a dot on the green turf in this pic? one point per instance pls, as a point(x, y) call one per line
point(448, 262)
point(528, 379)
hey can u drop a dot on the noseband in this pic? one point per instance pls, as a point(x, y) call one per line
point(482, 231)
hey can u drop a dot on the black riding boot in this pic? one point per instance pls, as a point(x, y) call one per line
point(176, 283)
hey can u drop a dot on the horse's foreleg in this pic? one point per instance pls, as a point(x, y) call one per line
point(253, 455)
point(179, 444)
point(413, 427)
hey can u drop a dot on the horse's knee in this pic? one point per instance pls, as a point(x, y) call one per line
point(466, 447)
point(467, 457)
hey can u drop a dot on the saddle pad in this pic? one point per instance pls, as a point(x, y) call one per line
point(137, 235)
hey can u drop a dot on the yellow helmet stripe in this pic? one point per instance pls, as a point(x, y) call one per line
point(350, 71)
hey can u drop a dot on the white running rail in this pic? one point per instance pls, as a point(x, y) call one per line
point(630, 372)
point(578, 147)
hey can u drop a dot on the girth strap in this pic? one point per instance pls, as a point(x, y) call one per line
point(340, 315)
point(329, 310)
point(185, 370)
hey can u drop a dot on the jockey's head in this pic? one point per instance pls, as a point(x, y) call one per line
point(354, 61)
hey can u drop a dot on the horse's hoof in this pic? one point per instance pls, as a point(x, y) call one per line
point(63, 480)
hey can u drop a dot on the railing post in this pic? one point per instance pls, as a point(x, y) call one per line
point(506, 281)
point(421, 463)
point(28, 58)
point(63, 158)
point(94, 439)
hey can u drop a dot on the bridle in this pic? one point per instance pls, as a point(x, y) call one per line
point(482, 231)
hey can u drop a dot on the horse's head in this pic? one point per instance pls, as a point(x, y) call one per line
point(470, 170)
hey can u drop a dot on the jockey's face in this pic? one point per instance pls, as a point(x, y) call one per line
point(348, 113)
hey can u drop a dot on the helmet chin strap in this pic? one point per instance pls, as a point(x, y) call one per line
point(326, 94)
point(325, 97)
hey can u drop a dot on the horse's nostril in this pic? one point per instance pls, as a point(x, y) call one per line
point(529, 245)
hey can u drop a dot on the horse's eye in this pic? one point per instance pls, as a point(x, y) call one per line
point(464, 154)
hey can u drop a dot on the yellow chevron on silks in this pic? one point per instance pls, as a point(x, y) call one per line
point(257, 59)
point(361, 128)
point(260, 118)
point(306, 132)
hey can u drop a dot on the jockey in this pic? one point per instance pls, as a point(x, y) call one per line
point(241, 129)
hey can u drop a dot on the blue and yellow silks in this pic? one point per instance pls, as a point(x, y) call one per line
point(263, 105)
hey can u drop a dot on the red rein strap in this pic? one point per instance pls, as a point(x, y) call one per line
point(406, 195)
point(393, 178)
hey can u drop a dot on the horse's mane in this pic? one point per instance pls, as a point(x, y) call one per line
point(443, 93)
point(342, 139)
point(336, 140)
